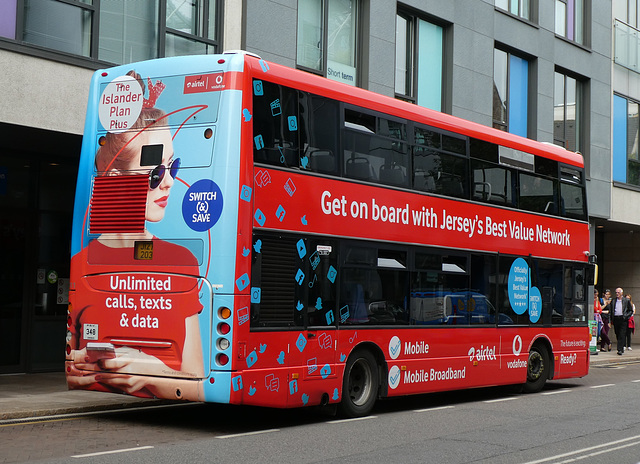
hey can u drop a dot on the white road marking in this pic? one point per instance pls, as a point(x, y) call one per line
point(127, 450)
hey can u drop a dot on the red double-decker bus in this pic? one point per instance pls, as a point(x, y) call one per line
point(247, 233)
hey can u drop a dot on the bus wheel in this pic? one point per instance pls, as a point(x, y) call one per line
point(537, 369)
point(359, 384)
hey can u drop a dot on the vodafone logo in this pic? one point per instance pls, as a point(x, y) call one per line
point(517, 345)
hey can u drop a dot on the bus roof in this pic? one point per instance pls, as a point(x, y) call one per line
point(360, 97)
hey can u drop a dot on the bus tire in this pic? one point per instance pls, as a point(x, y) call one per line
point(359, 384)
point(538, 369)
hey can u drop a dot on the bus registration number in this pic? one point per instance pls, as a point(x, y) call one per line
point(144, 250)
point(90, 331)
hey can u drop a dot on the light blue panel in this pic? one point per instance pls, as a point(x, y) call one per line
point(619, 139)
point(518, 93)
point(429, 83)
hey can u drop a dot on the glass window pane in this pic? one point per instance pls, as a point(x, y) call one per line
point(430, 69)
point(504, 4)
point(573, 204)
point(402, 56)
point(492, 183)
point(212, 23)
point(59, 26)
point(620, 10)
point(341, 41)
point(8, 19)
point(274, 142)
point(310, 46)
point(571, 114)
point(633, 163)
point(341, 31)
point(176, 46)
point(558, 110)
point(561, 18)
point(500, 73)
point(537, 194)
point(525, 7)
point(185, 16)
point(318, 141)
point(632, 130)
point(128, 30)
point(579, 22)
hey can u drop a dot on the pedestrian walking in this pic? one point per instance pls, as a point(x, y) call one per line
point(605, 341)
point(620, 310)
point(631, 328)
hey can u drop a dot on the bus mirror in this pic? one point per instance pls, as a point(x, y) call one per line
point(592, 275)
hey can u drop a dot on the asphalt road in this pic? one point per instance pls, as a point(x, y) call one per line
point(595, 419)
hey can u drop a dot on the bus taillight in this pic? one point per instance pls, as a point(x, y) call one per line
point(222, 359)
point(224, 328)
point(224, 312)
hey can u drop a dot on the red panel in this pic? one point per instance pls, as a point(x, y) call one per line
point(311, 204)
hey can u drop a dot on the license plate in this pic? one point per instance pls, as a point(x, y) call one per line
point(90, 331)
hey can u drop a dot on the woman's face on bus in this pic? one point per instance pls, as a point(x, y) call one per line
point(158, 197)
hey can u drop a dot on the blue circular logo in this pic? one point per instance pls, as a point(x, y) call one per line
point(202, 205)
point(519, 286)
point(535, 304)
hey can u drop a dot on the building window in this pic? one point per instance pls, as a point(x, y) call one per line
point(626, 33)
point(520, 8)
point(566, 112)
point(419, 61)
point(510, 92)
point(327, 38)
point(61, 26)
point(190, 27)
point(570, 19)
point(114, 31)
point(626, 163)
point(128, 31)
point(627, 11)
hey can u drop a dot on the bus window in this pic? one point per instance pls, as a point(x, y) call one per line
point(547, 276)
point(483, 276)
point(321, 266)
point(507, 315)
point(537, 194)
point(374, 292)
point(374, 149)
point(575, 291)
point(275, 125)
point(440, 289)
point(318, 139)
point(492, 183)
point(573, 204)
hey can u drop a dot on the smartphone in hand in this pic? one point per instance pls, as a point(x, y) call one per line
point(97, 351)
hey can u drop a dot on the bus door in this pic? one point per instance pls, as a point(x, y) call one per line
point(322, 314)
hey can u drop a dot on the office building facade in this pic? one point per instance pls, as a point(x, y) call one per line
point(542, 69)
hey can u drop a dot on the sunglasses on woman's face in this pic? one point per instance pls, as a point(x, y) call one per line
point(157, 174)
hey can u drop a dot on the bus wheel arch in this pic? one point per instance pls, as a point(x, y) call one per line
point(361, 384)
point(539, 366)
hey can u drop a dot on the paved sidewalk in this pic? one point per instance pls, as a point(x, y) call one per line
point(37, 395)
